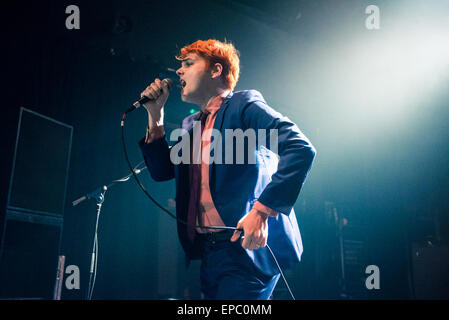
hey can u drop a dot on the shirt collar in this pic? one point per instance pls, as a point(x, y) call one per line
point(215, 103)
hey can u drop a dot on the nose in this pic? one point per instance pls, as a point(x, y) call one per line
point(178, 72)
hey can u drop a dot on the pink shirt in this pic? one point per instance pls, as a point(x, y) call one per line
point(208, 212)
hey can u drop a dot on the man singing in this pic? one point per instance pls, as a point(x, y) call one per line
point(256, 196)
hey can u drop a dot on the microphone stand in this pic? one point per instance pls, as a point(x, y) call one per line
point(98, 195)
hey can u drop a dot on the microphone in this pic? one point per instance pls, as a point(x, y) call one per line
point(145, 99)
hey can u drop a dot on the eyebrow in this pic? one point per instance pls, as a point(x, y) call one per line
point(187, 59)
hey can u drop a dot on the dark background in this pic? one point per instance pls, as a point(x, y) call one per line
point(381, 132)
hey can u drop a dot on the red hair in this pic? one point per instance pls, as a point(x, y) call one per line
point(214, 51)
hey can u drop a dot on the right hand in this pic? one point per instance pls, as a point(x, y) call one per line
point(158, 93)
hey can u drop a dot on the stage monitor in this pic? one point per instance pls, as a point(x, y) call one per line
point(40, 166)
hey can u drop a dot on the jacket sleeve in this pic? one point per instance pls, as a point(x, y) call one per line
point(157, 159)
point(295, 151)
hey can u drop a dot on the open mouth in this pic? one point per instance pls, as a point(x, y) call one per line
point(183, 83)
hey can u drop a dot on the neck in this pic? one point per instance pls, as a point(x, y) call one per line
point(212, 95)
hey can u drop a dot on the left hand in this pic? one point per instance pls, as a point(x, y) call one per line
point(255, 229)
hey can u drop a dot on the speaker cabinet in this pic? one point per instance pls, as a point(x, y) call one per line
point(431, 271)
point(33, 219)
point(29, 256)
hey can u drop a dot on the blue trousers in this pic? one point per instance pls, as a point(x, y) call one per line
point(227, 273)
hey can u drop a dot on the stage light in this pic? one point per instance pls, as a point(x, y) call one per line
point(388, 75)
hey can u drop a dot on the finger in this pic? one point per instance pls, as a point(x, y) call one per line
point(147, 93)
point(255, 240)
point(236, 234)
point(253, 245)
point(249, 243)
point(159, 83)
point(155, 90)
point(153, 94)
point(256, 244)
point(164, 86)
point(156, 87)
point(261, 240)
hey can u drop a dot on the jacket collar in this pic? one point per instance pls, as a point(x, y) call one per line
point(220, 114)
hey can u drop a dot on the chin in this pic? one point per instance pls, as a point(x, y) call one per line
point(187, 98)
point(184, 98)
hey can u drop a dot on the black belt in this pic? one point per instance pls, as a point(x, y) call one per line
point(216, 237)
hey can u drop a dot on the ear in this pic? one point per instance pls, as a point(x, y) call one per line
point(216, 70)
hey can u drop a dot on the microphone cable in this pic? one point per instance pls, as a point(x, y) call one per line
point(122, 124)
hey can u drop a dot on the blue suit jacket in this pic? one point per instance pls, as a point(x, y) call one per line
point(274, 181)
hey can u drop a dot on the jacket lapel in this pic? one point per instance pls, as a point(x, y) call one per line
point(220, 113)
